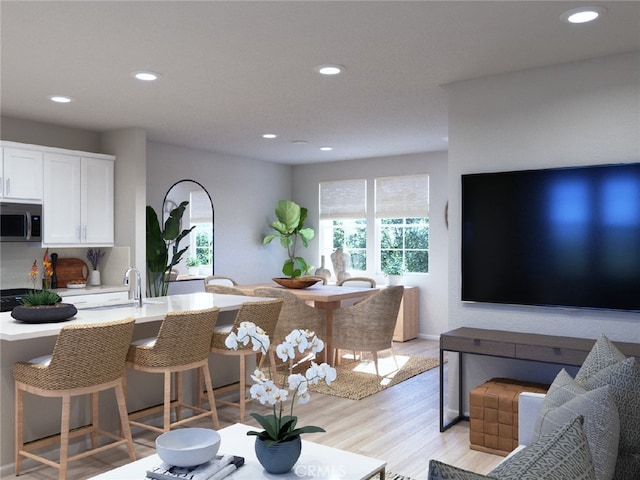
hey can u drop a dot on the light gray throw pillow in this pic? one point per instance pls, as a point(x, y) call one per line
point(562, 454)
point(566, 400)
point(602, 355)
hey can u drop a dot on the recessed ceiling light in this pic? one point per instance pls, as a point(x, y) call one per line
point(326, 149)
point(269, 135)
point(329, 69)
point(582, 14)
point(60, 99)
point(146, 76)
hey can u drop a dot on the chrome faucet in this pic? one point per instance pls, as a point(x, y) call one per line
point(138, 291)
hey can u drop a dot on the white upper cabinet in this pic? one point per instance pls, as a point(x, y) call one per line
point(78, 200)
point(21, 175)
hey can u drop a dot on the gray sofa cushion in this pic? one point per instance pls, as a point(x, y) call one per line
point(560, 455)
point(443, 471)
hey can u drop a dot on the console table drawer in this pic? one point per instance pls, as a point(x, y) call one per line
point(478, 345)
point(561, 355)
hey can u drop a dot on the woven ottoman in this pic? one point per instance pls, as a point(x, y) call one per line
point(493, 416)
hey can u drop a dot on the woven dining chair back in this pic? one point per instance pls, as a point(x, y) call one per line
point(86, 359)
point(363, 282)
point(368, 325)
point(223, 289)
point(295, 314)
point(183, 343)
point(219, 280)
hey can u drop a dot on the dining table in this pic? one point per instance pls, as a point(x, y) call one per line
point(325, 297)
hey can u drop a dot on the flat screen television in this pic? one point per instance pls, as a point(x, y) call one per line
point(567, 237)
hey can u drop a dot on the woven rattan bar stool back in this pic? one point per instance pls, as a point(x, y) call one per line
point(264, 314)
point(86, 359)
point(182, 344)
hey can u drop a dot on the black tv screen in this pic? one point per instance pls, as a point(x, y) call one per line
point(554, 237)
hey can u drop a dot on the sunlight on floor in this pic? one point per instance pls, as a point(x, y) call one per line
point(386, 366)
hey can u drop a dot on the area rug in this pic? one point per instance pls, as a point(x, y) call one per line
point(395, 476)
point(357, 379)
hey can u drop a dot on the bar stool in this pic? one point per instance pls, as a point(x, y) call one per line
point(265, 315)
point(86, 359)
point(182, 344)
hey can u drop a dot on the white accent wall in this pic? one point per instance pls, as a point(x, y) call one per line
point(582, 113)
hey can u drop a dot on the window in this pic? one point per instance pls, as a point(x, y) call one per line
point(343, 222)
point(397, 232)
point(402, 222)
point(202, 235)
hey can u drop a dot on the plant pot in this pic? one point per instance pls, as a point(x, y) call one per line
point(394, 279)
point(94, 277)
point(279, 457)
point(193, 270)
point(58, 312)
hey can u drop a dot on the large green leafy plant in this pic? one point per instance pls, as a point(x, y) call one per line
point(159, 242)
point(289, 227)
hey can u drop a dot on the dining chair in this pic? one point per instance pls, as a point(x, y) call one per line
point(295, 314)
point(363, 282)
point(223, 289)
point(262, 313)
point(182, 344)
point(86, 359)
point(368, 325)
point(219, 280)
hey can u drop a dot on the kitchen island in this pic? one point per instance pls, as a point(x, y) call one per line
point(21, 342)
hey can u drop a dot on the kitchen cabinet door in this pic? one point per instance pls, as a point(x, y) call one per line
point(61, 205)
point(21, 174)
point(96, 194)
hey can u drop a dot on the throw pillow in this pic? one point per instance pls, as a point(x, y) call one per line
point(602, 354)
point(443, 471)
point(628, 466)
point(566, 400)
point(561, 454)
point(623, 380)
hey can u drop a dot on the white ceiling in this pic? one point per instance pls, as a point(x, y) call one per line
point(233, 70)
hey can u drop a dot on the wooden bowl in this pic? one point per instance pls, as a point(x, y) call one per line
point(296, 282)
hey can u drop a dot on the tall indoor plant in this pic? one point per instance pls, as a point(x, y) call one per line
point(158, 244)
point(289, 227)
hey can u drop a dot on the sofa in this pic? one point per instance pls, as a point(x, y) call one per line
point(584, 428)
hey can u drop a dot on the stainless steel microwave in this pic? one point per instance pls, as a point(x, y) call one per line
point(20, 222)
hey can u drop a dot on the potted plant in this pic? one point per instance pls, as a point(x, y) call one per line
point(289, 228)
point(159, 241)
point(278, 446)
point(94, 257)
point(41, 306)
point(193, 265)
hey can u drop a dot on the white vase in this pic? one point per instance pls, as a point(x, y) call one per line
point(94, 277)
point(394, 280)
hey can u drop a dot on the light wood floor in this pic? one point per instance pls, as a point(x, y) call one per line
point(399, 425)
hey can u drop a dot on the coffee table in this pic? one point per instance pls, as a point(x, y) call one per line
point(316, 461)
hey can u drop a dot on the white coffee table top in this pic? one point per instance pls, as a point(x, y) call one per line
point(316, 461)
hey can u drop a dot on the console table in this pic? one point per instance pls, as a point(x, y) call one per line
point(517, 345)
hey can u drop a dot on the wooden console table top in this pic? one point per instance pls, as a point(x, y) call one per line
point(526, 346)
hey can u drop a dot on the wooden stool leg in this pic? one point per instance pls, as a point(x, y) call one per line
point(64, 436)
point(167, 402)
point(212, 401)
point(125, 429)
point(375, 362)
point(19, 428)
point(95, 414)
point(243, 381)
point(178, 394)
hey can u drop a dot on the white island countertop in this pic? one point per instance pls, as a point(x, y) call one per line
point(153, 309)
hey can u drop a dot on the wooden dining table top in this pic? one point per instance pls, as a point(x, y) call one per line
point(317, 293)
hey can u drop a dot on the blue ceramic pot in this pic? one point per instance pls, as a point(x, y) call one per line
point(280, 457)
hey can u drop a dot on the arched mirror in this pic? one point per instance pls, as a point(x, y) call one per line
point(198, 260)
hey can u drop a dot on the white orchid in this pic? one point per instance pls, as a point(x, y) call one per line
point(279, 427)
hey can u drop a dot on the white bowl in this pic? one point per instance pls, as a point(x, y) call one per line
point(187, 447)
